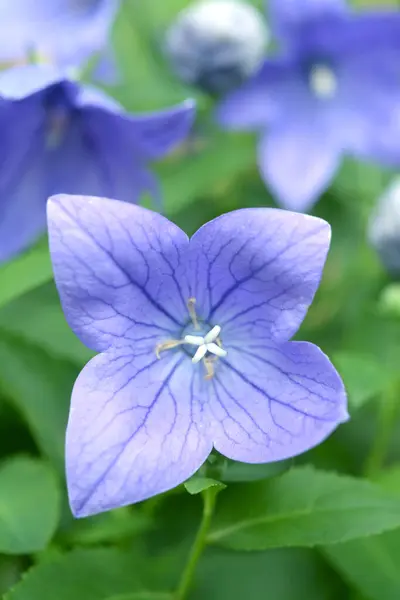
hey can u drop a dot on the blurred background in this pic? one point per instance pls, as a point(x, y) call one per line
point(355, 319)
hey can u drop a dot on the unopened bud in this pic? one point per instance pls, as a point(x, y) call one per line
point(384, 228)
point(217, 44)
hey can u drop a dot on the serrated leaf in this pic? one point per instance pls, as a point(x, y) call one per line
point(29, 505)
point(196, 485)
point(25, 273)
point(363, 377)
point(80, 575)
point(303, 507)
point(39, 386)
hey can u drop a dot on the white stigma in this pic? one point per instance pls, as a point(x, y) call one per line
point(323, 81)
point(206, 344)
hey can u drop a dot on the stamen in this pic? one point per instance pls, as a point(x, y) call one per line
point(215, 349)
point(192, 312)
point(209, 365)
point(196, 340)
point(168, 345)
point(212, 335)
point(200, 354)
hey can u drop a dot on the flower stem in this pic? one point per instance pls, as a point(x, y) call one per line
point(209, 497)
point(386, 418)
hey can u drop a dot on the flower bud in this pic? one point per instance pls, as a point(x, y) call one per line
point(216, 44)
point(384, 228)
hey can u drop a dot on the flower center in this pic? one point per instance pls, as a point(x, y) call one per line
point(323, 81)
point(209, 343)
point(207, 347)
point(58, 104)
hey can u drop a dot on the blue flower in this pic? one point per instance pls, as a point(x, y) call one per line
point(63, 32)
point(61, 136)
point(333, 90)
point(193, 337)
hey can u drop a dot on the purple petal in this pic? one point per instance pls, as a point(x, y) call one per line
point(150, 135)
point(135, 429)
point(271, 402)
point(255, 271)
point(117, 267)
point(259, 101)
point(288, 15)
point(64, 31)
point(24, 81)
point(156, 134)
point(96, 159)
point(22, 178)
point(298, 161)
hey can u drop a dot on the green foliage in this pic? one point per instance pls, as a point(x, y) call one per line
point(25, 273)
point(364, 378)
point(39, 386)
point(196, 485)
point(303, 507)
point(80, 575)
point(29, 505)
point(294, 574)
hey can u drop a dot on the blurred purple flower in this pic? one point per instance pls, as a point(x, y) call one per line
point(194, 344)
point(64, 32)
point(59, 136)
point(334, 89)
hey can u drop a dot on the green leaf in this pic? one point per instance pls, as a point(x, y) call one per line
point(48, 329)
point(114, 526)
point(196, 485)
point(389, 479)
point(303, 507)
point(282, 574)
point(29, 505)
point(238, 471)
point(363, 376)
point(143, 596)
point(25, 273)
point(80, 575)
point(371, 565)
point(207, 171)
point(39, 386)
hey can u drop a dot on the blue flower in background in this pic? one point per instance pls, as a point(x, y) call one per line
point(194, 344)
point(61, 136)
point(63, 32)
point(333, 90)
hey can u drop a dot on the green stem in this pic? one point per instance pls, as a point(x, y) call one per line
point(386, 420)
point(209, 497)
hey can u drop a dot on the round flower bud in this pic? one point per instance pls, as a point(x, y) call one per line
point(216, 44)
point(384, 228)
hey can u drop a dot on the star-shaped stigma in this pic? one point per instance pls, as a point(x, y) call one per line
point(206, 344)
